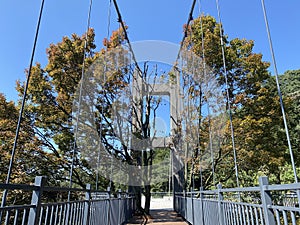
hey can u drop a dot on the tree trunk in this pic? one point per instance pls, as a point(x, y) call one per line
point(147, 199)
point(138, 198)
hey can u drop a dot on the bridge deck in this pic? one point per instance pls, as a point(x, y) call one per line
point(159, 217)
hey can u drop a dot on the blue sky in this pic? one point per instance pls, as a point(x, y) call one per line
point(147, 20)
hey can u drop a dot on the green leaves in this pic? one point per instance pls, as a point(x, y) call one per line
point(259, 136)
point(50, 101)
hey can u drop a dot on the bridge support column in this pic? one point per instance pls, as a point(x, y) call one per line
point(34, 213)
point(266, 200)
point(177, 174)
point(220, 205)
point(201, 197)
point(87, 206)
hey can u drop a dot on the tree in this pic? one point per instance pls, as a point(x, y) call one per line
point(290, 85)
point(122, 105)
point(30, 159)
point(255, 118)
point(50, 98)
point(93, 116)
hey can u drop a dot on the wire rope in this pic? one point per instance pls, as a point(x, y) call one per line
point(102, 87)
point(204, 73)
point(208, 105)
point(279, 91)
point(210, 145)
point(190, 18)
point(199, 122)
point(120, 20)
point(192, 79)
point(184, 122)
point(80, 98)
point(194, 155)
point(20, 118)
point(227, 95)
point(179, 55)
point(126, 37)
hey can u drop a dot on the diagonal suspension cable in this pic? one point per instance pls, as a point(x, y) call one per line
point(175, 66)
point(80, 97)
point(227, 95)
point(279, 91)
point(190, 18)
point(204, 72)
point(208, 105)
point(13, 152)
point(120, 20)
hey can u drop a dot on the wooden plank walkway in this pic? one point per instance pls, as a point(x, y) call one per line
point(159, 217)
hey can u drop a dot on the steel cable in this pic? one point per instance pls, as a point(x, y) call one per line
point(104, 81)
point(279, 91)
point(13, 152)
point(120, 20)
point(227, 95)
point(80, 97)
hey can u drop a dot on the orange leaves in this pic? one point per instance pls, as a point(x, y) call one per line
point(116, 39)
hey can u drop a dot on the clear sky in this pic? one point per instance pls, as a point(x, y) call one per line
point(147, 20)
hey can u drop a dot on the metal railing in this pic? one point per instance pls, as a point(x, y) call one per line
point(262, 205)
point(87, 207)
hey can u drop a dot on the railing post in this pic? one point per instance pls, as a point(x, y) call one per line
point(201, 197)
point(108, 192)
point(266, 200)
point(220, 208)
point(87, 205)
point(119, 205)
point(34, 213)
point(109, 205)
point(127, 205)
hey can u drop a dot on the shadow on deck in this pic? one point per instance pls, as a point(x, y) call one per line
point(159, 217)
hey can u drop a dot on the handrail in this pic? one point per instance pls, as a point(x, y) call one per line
point(24, 187)
point(273, 187)
point(87, 207)
point(241, 189)
point(282, 187)
point(284, 208)
point(242, 203)
point(12, 207)
point(64, 189)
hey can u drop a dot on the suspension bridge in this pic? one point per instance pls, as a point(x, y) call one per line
point(127, 157)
